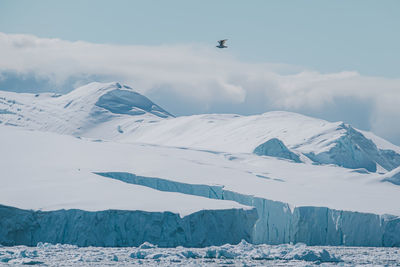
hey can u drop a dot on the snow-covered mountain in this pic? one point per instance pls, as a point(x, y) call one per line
point(106, 161)
point(95, 107)
point(311, 139)
point(115, 112)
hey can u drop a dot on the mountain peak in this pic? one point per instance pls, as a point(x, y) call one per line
point(123, 101)
point(113, 97)
point(105, 108)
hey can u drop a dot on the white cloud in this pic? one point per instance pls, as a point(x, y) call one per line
point(210, 80)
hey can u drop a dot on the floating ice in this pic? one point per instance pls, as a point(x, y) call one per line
point(243, 252)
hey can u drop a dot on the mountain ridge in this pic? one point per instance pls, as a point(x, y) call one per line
point(113, 111)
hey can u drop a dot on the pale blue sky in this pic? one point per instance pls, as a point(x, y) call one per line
point(336, 60)
point(327, 36)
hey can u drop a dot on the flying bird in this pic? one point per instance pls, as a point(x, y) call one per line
point(222, 44)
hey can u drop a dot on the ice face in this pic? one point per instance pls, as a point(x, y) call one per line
point(271, 222)
point(121, 101)
point(277, 223)
point(353, 150)
point(393, 176)
point(116, 228)
point(275, 148)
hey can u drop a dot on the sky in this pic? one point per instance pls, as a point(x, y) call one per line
point(336, 60)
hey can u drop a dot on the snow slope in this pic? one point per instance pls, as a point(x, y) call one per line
point(116, 112)
point(82, 110)
point(50, 172)
point(321, 141)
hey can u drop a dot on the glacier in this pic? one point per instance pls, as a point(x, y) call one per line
point(106, 161)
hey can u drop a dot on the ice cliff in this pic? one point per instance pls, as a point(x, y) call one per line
point(116, 228)
point(277, 223)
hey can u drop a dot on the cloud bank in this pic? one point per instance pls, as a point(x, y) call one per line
point(194, 78)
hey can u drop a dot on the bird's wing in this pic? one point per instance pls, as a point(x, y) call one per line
point(222, 42)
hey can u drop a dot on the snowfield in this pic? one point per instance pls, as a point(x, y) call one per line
point(45, 171)
point(105, 166)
